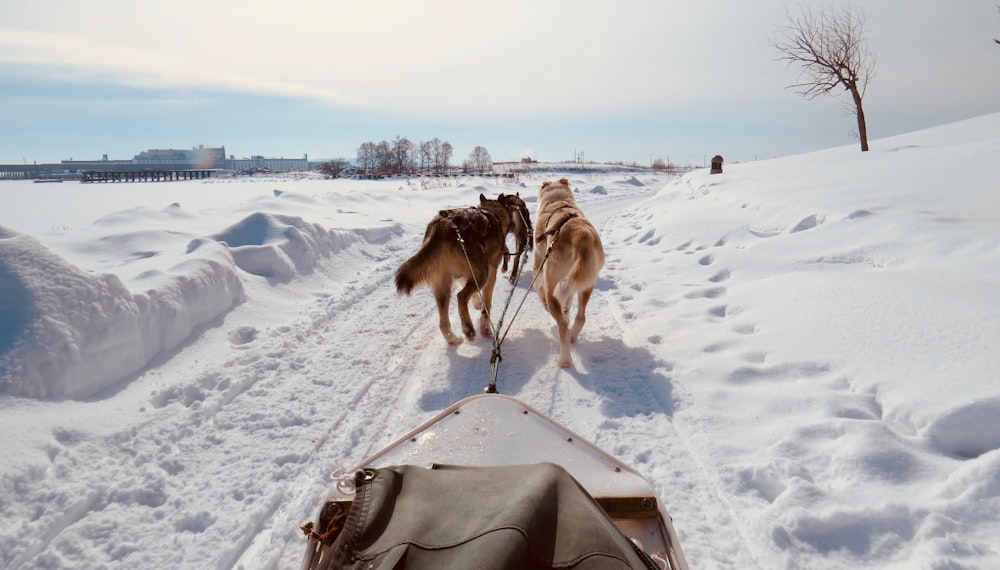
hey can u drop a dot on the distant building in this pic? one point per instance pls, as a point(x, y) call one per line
point(202, 157)
point(199, 157)
point(260, 163)
point(158, 159)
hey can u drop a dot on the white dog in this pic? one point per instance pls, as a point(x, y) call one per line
point(568, 258)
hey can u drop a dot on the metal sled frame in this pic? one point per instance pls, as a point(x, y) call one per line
point(493, 430)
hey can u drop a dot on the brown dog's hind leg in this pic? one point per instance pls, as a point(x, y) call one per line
point(464, 296)
point(485, 325)
point(516, 264)
point(442, 297)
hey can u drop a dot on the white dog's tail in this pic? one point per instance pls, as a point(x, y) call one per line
point(582, 275)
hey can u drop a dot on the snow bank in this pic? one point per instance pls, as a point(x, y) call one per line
point(70, 334)
point(278, 247)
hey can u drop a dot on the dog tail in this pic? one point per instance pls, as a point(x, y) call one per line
point(413, 271)
point(418, 269)
point(589, 261)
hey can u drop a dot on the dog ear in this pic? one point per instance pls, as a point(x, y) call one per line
point(482, 199)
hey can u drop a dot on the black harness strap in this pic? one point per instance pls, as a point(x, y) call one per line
point(471, 213)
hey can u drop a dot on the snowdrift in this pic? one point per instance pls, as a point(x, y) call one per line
point(70, 333)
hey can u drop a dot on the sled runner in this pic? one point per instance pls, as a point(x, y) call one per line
point(492, 483)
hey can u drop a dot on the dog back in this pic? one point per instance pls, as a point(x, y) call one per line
point(556, 207)
point(561, 226)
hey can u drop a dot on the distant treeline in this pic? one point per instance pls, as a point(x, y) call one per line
point(402, 157)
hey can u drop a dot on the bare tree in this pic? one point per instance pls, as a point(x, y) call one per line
point(443, 157)
point(426, 154)
point(334, 168)
point(403, 151)
point(383, 158)
point(434, 145)
point(830, 45)
point(480, 160)
point(367, 158)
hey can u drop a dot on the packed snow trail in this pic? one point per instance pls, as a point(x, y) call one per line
point(627, 394)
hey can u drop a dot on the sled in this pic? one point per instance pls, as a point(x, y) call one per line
point(486, 452)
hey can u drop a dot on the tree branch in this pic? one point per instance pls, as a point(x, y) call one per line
point(829, 47)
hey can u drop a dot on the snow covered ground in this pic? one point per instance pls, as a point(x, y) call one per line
point(800, 354)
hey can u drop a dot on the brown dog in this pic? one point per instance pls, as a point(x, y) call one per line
point(520, 226)
point(461, 244)
point(568, 257)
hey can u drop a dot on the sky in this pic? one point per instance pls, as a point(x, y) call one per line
point(798, 354)
point(629, 81)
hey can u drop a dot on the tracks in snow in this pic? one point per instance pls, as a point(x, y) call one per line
point(235, 451)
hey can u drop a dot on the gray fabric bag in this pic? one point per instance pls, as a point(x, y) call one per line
point(478, 518)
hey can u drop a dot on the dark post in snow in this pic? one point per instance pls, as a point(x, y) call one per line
point(717, 164)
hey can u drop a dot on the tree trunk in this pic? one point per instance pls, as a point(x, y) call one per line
point(862, 127)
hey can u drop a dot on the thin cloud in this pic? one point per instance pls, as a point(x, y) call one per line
point(70, 57)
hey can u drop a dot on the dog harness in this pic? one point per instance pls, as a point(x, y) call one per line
point(560, 217)
point(465, 221)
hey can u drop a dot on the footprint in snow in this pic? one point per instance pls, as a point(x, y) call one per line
point(720, 276)
point(243, 335)
point(710, 293)
point(858, 214)
point(807, 223)
point(718, 312)
point(764, 233)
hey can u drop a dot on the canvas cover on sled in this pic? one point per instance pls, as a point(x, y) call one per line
point(487, 518)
